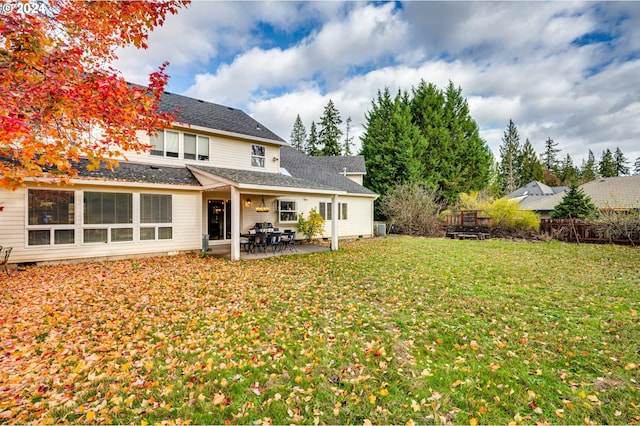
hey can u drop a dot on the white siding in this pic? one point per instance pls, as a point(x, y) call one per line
point(225, 152)
point(186, 217)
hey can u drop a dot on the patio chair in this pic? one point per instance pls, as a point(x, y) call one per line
point(261, 241)
point(289, 240)
point(246, 243)
point(275, 241)
point(4, 257)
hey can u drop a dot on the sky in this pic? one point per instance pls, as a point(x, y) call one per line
point(564, 70)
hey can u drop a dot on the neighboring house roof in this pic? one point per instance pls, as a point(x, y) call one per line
point(622, 192)
point(217, 117)
point(534, 192)
point(302, 166)
point(353, 164)
point(145, 173)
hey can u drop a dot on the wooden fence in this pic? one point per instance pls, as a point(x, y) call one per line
point(581, 231)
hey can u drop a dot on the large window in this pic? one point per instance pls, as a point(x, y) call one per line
point(107, 209)
point(51, 217)
point(287, 211)
point(166, 143)
point(325, 211)
point(258, 154)
point(196, 147)
point(155, 209)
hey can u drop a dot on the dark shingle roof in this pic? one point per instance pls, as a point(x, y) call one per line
point(338, 164)
point(309, 169)
point(218, 117)
point(249, 177)
point(135, 172)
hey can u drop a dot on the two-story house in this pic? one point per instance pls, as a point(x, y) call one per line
point(216, 172)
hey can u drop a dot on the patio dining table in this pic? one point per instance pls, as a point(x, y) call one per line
point(252, 241)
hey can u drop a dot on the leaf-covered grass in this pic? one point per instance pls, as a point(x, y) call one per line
point(394, 330)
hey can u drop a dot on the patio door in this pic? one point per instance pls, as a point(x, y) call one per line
point(219, 219)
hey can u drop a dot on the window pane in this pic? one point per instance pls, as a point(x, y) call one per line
point(95, 235)
point(40, 238)
point(51, 207)
point(189, 146)
point(288, 205)
point(165, 233)
point(64, 236)
point(157, 143)
point(122, 234)
point(147, 233)
point(325, 210)
point(257, 162)
point(102, 208)
point(155, 208)
point(257, 150)
point(343, 211)
point(171, 142)
point(203, 148)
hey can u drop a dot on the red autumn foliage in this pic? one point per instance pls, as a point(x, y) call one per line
point(60, 100)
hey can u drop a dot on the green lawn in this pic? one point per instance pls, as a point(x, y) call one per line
point(393, 330)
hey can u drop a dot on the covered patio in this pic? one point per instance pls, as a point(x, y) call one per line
point(224, 251)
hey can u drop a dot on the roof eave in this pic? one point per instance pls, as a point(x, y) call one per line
point(227, 133)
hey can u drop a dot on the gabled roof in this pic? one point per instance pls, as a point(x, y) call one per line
point(213, 116)
point(622, 192)
point(353, 164)
point(534, 192)
point(302, 166)
point(249, 177)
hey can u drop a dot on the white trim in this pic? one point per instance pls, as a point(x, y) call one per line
point(226, 133)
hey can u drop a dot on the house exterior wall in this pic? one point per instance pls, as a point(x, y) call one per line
point(224, 152)
point(14, 226)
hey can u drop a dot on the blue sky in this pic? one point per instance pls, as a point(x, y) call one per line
point(565, 70)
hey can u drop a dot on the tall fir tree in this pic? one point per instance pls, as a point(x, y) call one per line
point(550, 155)
point(510, 156)
point(330, 133)
point(621, 163)
point(575, 204)
point(312, 141)
point(298, 138)
point(348, 139)
point(531, 168)
point(607, 166)
point(456, 159)
point(589, 168)
point(567, 172)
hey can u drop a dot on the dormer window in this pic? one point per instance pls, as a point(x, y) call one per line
point(258, 155)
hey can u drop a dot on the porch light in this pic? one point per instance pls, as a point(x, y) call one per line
point(247, 202)
point(262, 208)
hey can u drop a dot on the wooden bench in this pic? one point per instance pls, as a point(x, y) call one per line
point(462, 236)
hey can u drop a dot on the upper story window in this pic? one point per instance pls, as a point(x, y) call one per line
point(196, 147)
point(166, 143)
point(258, 155)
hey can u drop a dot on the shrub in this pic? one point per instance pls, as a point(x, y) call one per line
point(312, 226)
point(507, 216)
point(618, 225)
point(414, 209)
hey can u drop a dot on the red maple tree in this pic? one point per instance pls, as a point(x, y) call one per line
point(60, 99)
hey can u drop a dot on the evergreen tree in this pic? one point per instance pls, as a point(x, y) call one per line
point(636, 167)
point(389, 144)
point(510, 156)
point(348, 140)
point(607, 166)
point(298, 138)
point(312, 141)
point(456, 158)
point(589, 169)
point(549, 157)
point(621, 163)
point(575, 203)
point(567, 172)
point(330, 133)
point(530, 164)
